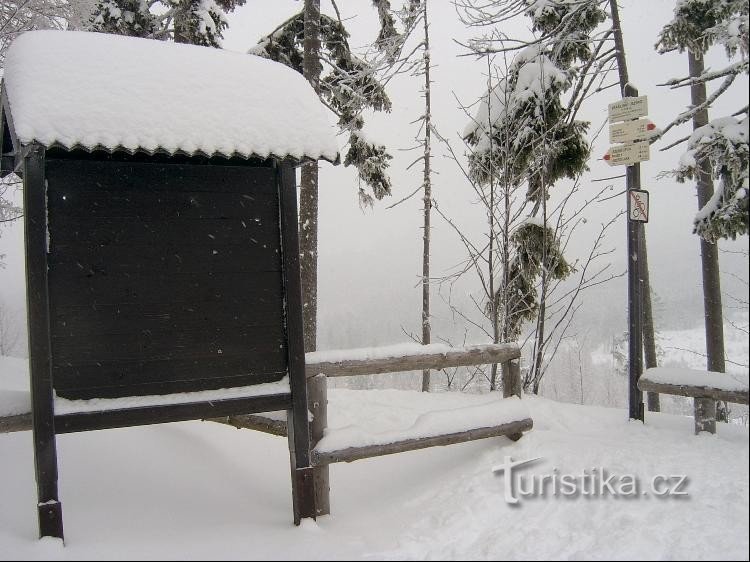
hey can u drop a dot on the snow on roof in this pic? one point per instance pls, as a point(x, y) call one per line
point(100, 91)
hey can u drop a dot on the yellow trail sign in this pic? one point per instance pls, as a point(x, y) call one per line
point(627, 154)
point(628, 108)
point(630, 130)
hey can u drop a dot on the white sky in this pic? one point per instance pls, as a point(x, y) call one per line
point(370, 261)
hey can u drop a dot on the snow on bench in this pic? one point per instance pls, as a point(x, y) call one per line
point(405, 357)
point(696, 384)
point(441, 427)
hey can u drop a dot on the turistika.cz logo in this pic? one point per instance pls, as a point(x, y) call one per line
point(597, 482)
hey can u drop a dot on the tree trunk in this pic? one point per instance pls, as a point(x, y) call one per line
point(182, 23)
point(493, 301)
point(709, 254)
point(649, 341)
point(427, 182)
point(308, 246)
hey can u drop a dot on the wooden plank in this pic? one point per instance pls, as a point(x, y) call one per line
point(81, 261)
point(70, 423)
point(152, 346)
point(163, 317)
point(152, 288)
point(159, 384)
point(736, 397)
point(478, 355)
point(37, 301)
point(252, 421)
point(112, 175)
point(11, 424)
point(357, 453)
point(184, 232)
point(66, 201)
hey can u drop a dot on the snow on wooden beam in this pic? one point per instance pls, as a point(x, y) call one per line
point(507, 416)
point(405, 357)
point(696, 384)
point(733, 396)
point(350, 454)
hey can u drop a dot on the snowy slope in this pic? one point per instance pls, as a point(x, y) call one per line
point(201, 490)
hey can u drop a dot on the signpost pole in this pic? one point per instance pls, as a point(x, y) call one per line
point(635, 316)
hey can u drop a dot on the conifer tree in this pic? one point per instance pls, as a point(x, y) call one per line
point(348, 87)
point(721, 145)
point(199, 22)
point(716, 149)
point(526, 134)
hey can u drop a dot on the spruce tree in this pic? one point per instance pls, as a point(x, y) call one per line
point(526, 134)
point(348, 86)
point(721, 145)
point(717, 149)
point(198, 22)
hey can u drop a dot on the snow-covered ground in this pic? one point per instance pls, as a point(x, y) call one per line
point(199, 490)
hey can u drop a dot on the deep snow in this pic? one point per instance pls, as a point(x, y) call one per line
point(202, 490)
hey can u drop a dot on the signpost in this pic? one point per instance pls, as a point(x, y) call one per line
point(628, 127)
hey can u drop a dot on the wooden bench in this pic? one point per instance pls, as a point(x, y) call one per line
point(705, 387)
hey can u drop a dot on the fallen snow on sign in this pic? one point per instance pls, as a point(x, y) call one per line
point(691, 377)
point(429, 424)
point(65, 406)
point(102, 91)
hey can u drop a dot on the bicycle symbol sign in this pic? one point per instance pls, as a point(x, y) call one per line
point(638, 205)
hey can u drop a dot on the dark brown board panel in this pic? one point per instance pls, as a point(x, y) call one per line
point(156, 288)
point(186, 232)
point(81, 260)
point(147, 176)
point(166, 205)
point(86, 321)
point(153, 346)
point(144, 373)
point(153, 387)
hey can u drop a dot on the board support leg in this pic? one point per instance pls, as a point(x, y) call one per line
point(37, 296)
point(303, 482)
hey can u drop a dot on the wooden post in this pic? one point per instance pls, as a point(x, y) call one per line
point(512, 386)
point(42, 405)
point(303, 495)
point(318, 406)
point(713, 315)
point(705, 415)
point(512, 379)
